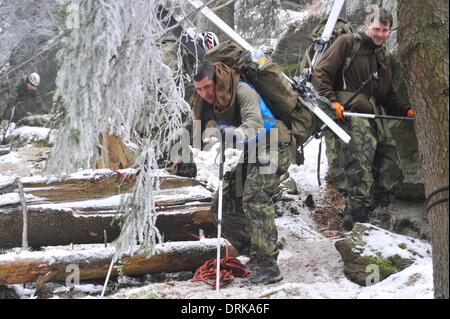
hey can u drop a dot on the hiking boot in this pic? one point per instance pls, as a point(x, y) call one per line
point(264, 273)
point(347, 223)
point(361, 214)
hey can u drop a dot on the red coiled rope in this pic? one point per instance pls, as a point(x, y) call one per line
point(230, 268)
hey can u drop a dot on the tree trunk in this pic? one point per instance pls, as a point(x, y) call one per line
point(93, 262)
point(54, 227)
point(423, 46)
point(101, 184)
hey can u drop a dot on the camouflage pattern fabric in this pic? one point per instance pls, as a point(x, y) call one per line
point(248, 212)
point(336, 174)
point(372, 166)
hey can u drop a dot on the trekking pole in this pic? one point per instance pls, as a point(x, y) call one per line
point(380, 117)
point(219, 209)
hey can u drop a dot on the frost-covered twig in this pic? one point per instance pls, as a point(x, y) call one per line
point(108, 83)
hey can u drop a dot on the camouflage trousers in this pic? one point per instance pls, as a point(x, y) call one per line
point(336, 174)
point(373, 170)
point(248, 212)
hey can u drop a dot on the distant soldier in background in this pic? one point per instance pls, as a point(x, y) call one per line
point(27, 102)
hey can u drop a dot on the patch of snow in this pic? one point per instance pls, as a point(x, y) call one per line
point(103, 202)
point(14, 198)
point(287, 17)
point(5, 180)
point(11, 158)
point(414, 282)
point(306, 175)
point(31, 133)
point(390, 244)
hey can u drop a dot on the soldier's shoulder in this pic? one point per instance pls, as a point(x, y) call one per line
point(244, 88)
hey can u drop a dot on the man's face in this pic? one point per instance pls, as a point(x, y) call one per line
point(377, 31)
point(206, 88)
point(30, 87)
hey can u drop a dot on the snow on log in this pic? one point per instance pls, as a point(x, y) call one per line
point(95, 184)
point(93, 261)
point(62, 226)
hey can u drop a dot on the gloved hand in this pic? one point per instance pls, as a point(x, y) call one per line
point(339, 109)
point(410, 112)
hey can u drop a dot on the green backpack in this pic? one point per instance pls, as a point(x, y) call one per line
point(273, 87)
point(342, 27)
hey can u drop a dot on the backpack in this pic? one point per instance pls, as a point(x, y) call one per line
point(342, 27)
point(271, 85)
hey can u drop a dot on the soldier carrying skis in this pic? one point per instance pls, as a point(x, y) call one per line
point(373, 171)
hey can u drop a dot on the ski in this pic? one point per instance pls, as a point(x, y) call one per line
point(322, 42)
point(306, 93)
point(187, 41)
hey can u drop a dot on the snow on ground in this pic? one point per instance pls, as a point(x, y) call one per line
point(394, 244)
point(309, 262)
point(30, 134)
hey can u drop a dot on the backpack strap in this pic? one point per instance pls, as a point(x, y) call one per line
point(356, 45)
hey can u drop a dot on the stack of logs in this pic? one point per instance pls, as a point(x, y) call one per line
point(82, 213)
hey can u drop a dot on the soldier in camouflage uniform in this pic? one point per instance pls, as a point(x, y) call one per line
point(373, 171)
point(26, 102)
point(248, 209)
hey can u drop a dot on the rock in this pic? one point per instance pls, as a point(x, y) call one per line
point(4, 150)
point(309, 202)
point(34, 120)
point(291, 5)
point(371, 254)
point(404, 218)
point(294, 41)
point(8, 293)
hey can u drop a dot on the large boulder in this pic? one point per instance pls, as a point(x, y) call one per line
point(371, 254)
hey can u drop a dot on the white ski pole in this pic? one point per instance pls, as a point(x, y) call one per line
point(219, 208)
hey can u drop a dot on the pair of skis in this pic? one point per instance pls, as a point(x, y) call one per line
point(307, 95)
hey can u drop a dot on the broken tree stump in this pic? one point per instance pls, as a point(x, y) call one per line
point(93, 262)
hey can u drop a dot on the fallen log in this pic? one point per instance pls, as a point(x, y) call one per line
point(93, 262)
point(63, 226)
point(95, 184)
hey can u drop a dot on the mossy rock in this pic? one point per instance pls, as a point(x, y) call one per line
point(361, 269)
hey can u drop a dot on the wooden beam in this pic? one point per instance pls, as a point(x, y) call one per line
point(93, 262)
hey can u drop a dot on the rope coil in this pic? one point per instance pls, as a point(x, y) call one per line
point(230, 268)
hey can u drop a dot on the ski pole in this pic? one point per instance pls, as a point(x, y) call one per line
point(219, 209)
point(380, 117)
